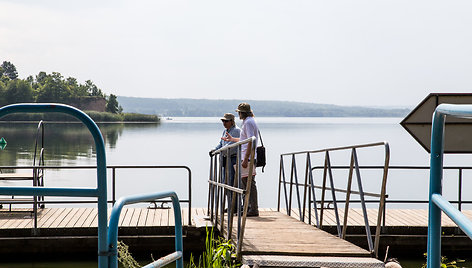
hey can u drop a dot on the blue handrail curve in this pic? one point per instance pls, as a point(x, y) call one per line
point(437, 202)
point(100, 192)
point(133, 199)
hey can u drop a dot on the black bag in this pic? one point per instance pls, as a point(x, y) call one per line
point(261, 154)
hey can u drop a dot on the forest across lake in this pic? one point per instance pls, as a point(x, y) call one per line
point(266, 108)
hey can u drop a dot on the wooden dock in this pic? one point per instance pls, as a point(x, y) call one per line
point(272, 233)
point(275, 239)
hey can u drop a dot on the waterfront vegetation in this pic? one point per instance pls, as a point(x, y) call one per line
point(218, 253)
point(445, 263)
point(46, 88)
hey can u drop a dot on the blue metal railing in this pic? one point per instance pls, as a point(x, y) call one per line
point(106, 255)
point(437, 202)
point(100, 192)
point(133, 199)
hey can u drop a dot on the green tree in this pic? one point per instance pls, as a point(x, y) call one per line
point(112, 105)
point(9, 70)
point(18, 91)
point(93, 90)
point(2, 94)
point(53, 89)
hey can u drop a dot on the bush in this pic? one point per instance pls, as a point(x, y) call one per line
point(104, 116)
point(133, 117)
point(96, 116)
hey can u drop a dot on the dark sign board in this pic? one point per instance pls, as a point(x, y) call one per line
point(458, 131)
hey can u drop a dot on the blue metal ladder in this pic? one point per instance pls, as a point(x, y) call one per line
point(437, 202)
point(107, 249)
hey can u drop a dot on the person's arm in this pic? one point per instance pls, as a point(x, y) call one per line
point(245, 162)
point(252, 129)
point(229, 138)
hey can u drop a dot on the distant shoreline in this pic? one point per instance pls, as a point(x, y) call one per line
point(103, 117)
point(210, 108)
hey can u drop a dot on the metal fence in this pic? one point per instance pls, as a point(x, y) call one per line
point(106, 247)
point(437, 203)
point(113, 168)
point(220, 190)
point(309, 186)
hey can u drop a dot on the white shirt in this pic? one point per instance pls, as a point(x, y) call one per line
point(248, 129)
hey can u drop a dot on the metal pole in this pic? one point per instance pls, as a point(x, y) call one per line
point(434, 217)
point(459, 202)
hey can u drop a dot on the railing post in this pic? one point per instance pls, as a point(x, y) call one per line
point(305, 187)
point(333, 194)
point(312, 188)
point(348, 194)
point(435, 187)
point(459, 201)
point(382, 204)
point(364, 209)
point(113, 185)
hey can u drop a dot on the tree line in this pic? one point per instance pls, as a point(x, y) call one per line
point(49, 88)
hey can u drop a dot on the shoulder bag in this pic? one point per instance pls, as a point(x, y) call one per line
point(261, 154)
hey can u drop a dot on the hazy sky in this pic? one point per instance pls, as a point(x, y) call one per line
point(345, 52)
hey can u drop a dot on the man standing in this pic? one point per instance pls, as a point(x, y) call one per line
point(234, 131)
point(248, 129)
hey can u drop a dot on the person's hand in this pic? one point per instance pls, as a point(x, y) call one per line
point(211, 152)
point(244, 164)
point(228, 137)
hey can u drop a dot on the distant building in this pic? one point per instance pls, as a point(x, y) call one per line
point(89, 103)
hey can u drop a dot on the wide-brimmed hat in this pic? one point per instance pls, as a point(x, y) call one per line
point(244, 107)
point(228, 116)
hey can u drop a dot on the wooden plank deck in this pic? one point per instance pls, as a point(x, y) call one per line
point(274, 233)
point(393, 217)
point(271, 234)
point(136, 217)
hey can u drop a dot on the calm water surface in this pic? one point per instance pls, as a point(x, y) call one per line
point(186, 141)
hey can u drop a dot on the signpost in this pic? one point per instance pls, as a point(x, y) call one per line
point(458, 130)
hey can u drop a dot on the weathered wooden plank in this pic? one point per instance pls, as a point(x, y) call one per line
point(123, 213)
point(293, 237)
point(46, 223)
point(72, 213)
point(47, 213)
point(171, 221)
point(157, 217)
point(74, 218)
point(150, 217)
point(16, 218)
point(129, 217)
point(83, 217)
point(183, 216)
point(143, 217)
point(60, 217)
point(88, 221)
point(135, 218)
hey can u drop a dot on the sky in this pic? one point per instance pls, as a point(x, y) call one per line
point(344, 52)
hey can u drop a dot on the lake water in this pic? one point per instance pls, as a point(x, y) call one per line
point(186, 141)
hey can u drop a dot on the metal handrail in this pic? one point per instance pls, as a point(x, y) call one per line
point(113, 169)
point(460, 201)
point(309, 189)
point(437, 203)
point(219, 190)
point(133, 199)
point(100, 192)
